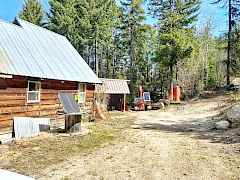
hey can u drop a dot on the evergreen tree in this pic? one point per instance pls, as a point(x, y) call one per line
point(184, 10)
point(89, 25)
point(233, 18)
point(176, 20)
point(63, 19)
point(134, 42)
point(33, 12)
point(102, 18)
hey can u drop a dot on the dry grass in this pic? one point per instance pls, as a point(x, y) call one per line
point(235, 96)
point(29, 157)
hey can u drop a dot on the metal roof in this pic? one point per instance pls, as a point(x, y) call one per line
point(113, 86)
point(29, 50)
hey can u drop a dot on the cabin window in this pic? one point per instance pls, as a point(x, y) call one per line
point(82, 93)
point(33, 92)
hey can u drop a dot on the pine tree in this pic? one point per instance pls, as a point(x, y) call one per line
point(233, 16)
point(33, 12)
point(175, 20)
point(89, 25)
point(134, 42)
point(63, 19)
point(102, 16)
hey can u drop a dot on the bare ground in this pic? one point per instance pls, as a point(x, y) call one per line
point(179, 143)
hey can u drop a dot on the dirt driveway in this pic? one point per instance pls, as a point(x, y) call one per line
point(179, 143)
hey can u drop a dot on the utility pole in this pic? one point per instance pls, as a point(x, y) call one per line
point(229, 40)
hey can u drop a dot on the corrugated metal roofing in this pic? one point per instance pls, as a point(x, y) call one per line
point(29, 50)
point(113, 86)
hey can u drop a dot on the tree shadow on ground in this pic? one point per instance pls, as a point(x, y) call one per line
point(200, 128)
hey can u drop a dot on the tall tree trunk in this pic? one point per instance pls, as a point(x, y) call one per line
point(177, 71)
point(132, 64)
point(161, 78)
point(206, 65)
point(114, 63)
point(95, 52)
point(171, 73)
point(229, 40)
point(108, 73)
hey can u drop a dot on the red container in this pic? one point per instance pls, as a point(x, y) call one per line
point(170, 95)
point(176, 93)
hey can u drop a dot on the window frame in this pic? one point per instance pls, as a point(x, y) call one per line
point(82, 93)
point(39, 92)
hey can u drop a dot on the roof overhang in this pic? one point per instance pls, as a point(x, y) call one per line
point(113, 86)
point(5, 76)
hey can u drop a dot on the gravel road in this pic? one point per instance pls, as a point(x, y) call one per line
point(179, 143)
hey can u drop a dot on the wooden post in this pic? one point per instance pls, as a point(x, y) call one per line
point(124, 102)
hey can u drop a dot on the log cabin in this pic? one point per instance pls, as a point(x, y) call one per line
point(35, 65)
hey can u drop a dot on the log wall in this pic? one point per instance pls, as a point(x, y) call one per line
point(13, 100)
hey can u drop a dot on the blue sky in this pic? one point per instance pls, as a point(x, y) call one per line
point(218, 16)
